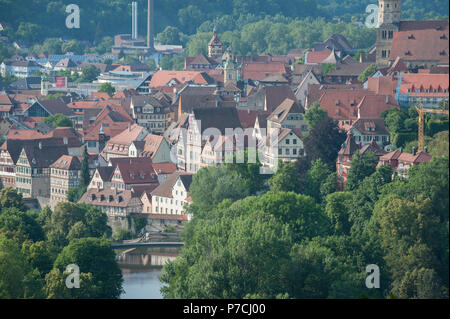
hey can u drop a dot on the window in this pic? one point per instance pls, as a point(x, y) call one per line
point(287, 152)
point(294, 151)
point(383, 54)
point(287, 141)
point(294, 142)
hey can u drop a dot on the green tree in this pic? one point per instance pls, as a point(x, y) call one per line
point(95, 256)
point(314, 115)
point(170, 35)
point(85, 175)
point(362, 166)
point(55, 286)
point(211, 185)
point(324, 142)
point(73, 46)
point(107, 88)
point(10, 198)
point(13, 269)
point(370, 70)
point(316, 176)
point(20, 226)
point(337, 210)
point(90, 73)
point(58, 120)
point(286, 179)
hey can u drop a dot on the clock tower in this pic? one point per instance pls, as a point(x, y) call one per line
point(389, 15)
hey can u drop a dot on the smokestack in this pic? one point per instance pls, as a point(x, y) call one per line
point(134, 15)
point(150, 25)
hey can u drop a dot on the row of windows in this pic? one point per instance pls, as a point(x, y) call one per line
point(24, 170)
point(59, 191)
point(23, 180)
point(166, 211)
point(161, 199)
point(427, 90)
point(288, 151)
point(23, 190)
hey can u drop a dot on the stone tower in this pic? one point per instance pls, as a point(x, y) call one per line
point(389, 17)
point(230, 71)
point(44, 86)
point(215, 47)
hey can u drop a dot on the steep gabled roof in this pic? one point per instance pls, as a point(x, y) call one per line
point(219, 118)
point(349, 147)
point(67, 162)
point(281, 112)
point(165, 189)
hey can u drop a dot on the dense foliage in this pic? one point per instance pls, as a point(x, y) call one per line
point(36, 248)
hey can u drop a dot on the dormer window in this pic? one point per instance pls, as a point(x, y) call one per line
point(411, 37)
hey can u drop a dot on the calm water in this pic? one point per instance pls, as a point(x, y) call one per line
point(141, 269)
point(142, 285)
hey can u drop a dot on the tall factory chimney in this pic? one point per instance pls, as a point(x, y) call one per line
point(150, 25)
point(134, 14)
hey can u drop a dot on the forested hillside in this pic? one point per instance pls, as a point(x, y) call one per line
point(34, 20)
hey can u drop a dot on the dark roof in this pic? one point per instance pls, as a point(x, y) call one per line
point(373, 147)
point(349, 147)
point(29, 83)
point(423, 24)
point(371, 126)
point(56, 107)
point(45, 156)
point(135, 170)
point(105, 172)
point(165, 189)
point(351, 69)
point(219, 118)
point(281, 112)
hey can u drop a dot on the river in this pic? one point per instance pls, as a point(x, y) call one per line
point(141, 269)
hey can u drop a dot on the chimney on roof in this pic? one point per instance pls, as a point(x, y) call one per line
point(414, 151)
point(129, 127)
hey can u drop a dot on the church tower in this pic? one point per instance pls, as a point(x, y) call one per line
point(230, 71)
point(389, 17)
point(215, 47)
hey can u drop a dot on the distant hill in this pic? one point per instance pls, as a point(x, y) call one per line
point(33, 20)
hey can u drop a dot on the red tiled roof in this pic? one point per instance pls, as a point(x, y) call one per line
point(83, 104)
point(67, 162)
point(248, 118)
point(259, 71)
point(382, 85)
point(100, 96)
point(162, 77)
point(371, 106)
point(346, 104)
point(317, 56)
point(424, 81)
point(164, 168)
point(421, 45)
point(5, 100)
point(136, 170)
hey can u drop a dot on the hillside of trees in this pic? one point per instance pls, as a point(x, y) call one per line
point(101, 18)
